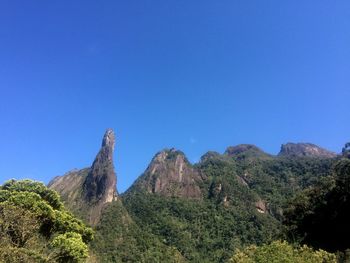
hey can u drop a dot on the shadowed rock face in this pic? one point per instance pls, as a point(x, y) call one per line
point(86, 191)
point(100, 183)
point(304, 150)
point(170, 174)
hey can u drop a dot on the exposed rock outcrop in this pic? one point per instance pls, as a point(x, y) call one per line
point(170, 174)
point(100, 184)
point(260, 206)
point(69, 186)
point(86, 191)
point(304, 150)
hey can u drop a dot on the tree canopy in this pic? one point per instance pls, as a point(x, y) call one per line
point(319, 216)
point(281, 251)
point(35, 226)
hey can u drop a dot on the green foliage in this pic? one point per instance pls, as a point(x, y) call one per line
point(31, 218)
point(119, 239)
point(69, 247)
point(201, 230)
point(46, 194)
point(66, 222)
point(18, 226)
point(319, 216)
point(10, 254)
point(281, 251)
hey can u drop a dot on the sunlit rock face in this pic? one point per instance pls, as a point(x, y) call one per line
point(170, 174)
point(304, 150)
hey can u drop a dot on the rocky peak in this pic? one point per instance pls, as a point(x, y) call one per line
point(234, 150)
point(210, 155)
point(171, 174)
point(169, 160)
point(100, 183)
point(109, 139)
point(304, 150)
point(243, 151)
point(86, 191)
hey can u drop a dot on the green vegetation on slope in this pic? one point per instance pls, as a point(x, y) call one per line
point(210, 230)
point(119, 239)
point(201, 230)
point(319, 216)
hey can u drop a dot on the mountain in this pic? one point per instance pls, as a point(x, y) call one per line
point(243, 151)
point(170, 174)
point(88, 190)
point(91, 194)
point(182, 212)
point(304, 150)
point(243, 195)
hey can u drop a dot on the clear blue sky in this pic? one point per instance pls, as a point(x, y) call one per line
point(195, 75)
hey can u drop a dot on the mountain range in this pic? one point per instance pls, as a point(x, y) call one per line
point(182, 212)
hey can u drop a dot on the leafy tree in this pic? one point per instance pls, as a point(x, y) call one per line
point(35, 227)
point(69, 247)
point(281, 251)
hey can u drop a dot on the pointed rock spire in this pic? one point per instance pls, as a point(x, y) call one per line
point(100, 184)
point(87, 191)
point(109, 140)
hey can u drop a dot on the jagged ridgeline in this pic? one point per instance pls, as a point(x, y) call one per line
point(182, 212)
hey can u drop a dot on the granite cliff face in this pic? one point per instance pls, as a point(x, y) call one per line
point(304, 150)
point(86, 191)
point(170, 174)
point(100, 183)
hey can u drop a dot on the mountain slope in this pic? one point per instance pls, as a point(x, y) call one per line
point(119, 239)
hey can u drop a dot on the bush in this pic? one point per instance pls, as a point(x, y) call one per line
point(281, 251)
